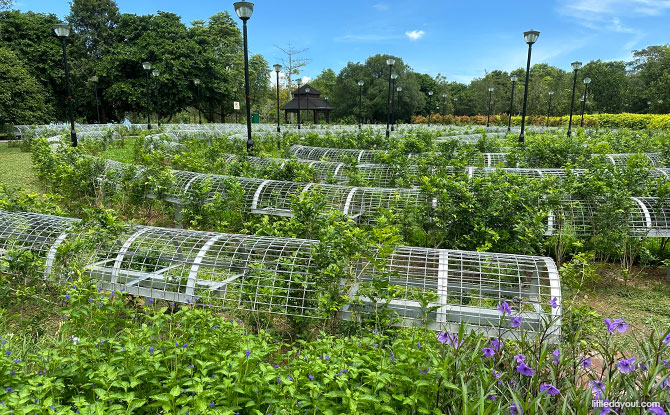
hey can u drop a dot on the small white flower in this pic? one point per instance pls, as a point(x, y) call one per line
point(75, 340)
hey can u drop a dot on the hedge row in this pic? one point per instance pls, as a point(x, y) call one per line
point(625, 120)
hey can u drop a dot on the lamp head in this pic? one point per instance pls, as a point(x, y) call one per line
point(277, 67)
point(196, 81)
point(390, 61)
point(531, 36)
point(444, 95)
point(244, 9)
point(491, 89)
point(62, 30)
point(146, 66)
point(430, 93)
point(155, 72)
point(394, 76)
point(399, 89)
point(551, 92)
point(587, 81)
point(93, 79)
point(576, 65)
point(514, 78)
point(360, 83)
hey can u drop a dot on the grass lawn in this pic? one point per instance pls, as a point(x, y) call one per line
point(16, 169)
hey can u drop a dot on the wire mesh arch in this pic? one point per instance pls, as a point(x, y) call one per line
point(279, 275)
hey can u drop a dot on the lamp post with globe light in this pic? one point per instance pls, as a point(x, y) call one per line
point(277, 68)
point(62, 30)
point(488, 114)
point(244, 9)
point(394, 76)
point(430, 105)
point(147, 69)
point(513, 78)
point(360, 104)
point(390, 62)
point(551, 94)
point(587, 81)
point(94, 81)
point(575, 67)
point(156, 73)
point(530, 37)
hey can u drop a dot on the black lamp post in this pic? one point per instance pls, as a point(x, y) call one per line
point(147, 69)
point(196, 82)
point(488, 114)
point(94, 81)
point(156, 73)
point(397, 104)
point(390, 63)
point(298, 82)
point(575, 67)
point(530, 37)
point(237, 111)
point(455, 101)
point(444, 107)
point(244, 9)
point(277, 68)
point(360, 104)
point(394, 76)
point(307, 91)
point(551, 94)
point(587, 81)
point(63, 31)
point(430, 105)
point(513, 78)
point(327, 117)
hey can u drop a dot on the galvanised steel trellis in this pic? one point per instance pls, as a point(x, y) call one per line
point(279, 275)
point(649, 215)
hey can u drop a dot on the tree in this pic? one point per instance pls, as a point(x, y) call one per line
point(608, 85)
point(21, 100)
point(292, 63)
point(6, 4)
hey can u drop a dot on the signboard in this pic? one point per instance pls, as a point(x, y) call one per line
point(236, 105)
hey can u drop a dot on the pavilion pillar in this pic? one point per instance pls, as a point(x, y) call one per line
point(316, 116)
point(327, 116)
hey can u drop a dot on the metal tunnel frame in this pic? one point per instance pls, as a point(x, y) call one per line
point(278, 275)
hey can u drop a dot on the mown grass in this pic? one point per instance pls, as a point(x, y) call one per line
point(121, 151)
point(16, 169)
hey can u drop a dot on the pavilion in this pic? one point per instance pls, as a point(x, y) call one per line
point(307, 98)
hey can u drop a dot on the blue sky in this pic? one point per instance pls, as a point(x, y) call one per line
point(458, 39)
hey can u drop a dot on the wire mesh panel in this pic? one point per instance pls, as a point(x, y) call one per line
point(621, 160)
point(436, 288)
point(647, 217)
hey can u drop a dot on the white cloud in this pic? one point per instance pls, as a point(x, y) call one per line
point(415, 34)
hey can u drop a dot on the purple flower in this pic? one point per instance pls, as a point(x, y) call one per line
point(496, 344)
point(656, 410)
point(618, 324)
point(585, 362)
point(557, 356)
point(496, 374)
point(513, 410)
point(151, 301)
point(553, 302)
point(12, 373)
point(488, 352)
point(326, 358)
point(9, 390)
point(598, 388)
point(449, 338)
point(278, 380)
point(310, 377)
point(626, 365)
point(549, 388)
point(418, 345)
point(666, 384)
point(520, 358)
point(515, 321)
point(666, 340)
point(248, 352)
point(504, 308)
point(67, 297)
point(9, 353)
point(151, 350)
point(525, 370)
point(212, 404)
point(185, 345)
point(492, 397)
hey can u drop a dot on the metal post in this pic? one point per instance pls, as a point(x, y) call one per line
point(148, 103)
point(525, 95)
point(73, 133)
point(488, 114)
point(278, 129)
point(198, 95)
point(97, 104)
point(388, 104)
point(549, 109)
point(250, 141)
point(392, 104)
point(572, 101)
point(430, 106)
point(511, 108)
point(158, 113)
point(586, 88)
point(360, 107)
